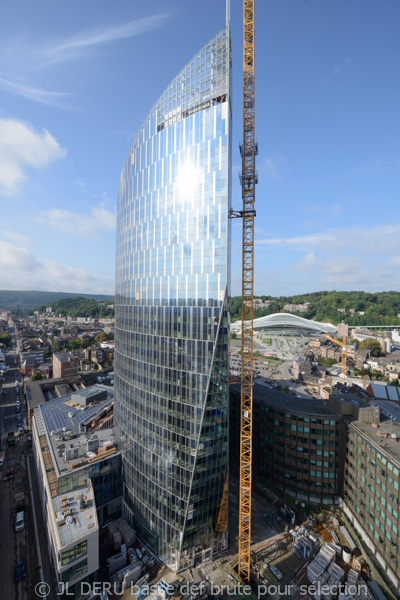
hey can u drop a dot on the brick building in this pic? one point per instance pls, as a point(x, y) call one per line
point(65, 364)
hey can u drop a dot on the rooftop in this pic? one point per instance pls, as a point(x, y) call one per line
point(69, 426)
point(77, 448)
point(75, 519)
point(382, 435)
point(64, 356)
point(386, 392)
point(65, 413)
point(36, 391)
point(273, 398)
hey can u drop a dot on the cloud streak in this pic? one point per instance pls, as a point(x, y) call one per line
point(72, 47)
point(19, 59)
point(31, 93)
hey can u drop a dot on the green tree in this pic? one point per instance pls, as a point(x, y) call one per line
point(85, 343)
point(36, 377)
point(74, 344)
point(101, 337)
point(373, 345)
point(56, 346)
point(5, 338)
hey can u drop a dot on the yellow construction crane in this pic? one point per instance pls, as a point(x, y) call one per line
point(343, 374)
point(248, 179)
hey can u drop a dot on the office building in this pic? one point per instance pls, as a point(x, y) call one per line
point(171, 321)
point(78, 467)
point(371, 490)
point(297, 443)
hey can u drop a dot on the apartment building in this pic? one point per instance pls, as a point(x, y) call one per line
point(65, 364)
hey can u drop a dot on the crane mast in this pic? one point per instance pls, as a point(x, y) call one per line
point(248, 180)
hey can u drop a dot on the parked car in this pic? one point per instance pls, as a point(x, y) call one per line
point(20, 569)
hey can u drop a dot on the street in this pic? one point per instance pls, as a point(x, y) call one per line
point(14, 481)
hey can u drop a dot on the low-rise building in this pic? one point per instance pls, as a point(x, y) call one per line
point(302, 368)
point(65, 364)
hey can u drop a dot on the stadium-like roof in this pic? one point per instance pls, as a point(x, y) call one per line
point(288, 324)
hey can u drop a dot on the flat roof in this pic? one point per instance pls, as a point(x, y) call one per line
point(36, 394)
point(59, 446)
point(62, 415)
point(74, 523)
point(273, 398)
point(376, 435)
point(64, 356)
point(88, 392)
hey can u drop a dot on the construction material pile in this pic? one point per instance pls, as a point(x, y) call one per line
point(116, 562)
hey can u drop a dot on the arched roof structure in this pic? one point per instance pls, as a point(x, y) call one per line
point(288, 324)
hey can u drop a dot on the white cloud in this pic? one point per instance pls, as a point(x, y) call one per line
point(336, 271)
point(79, 224)
point(22, 270)
point(309, 263)
point(382, 239)
point(13, 258)
point(19, 238)
point(21, 147)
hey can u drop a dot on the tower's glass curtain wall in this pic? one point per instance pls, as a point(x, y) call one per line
point(171, 331)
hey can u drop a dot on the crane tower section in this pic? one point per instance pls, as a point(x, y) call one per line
point(248, 179)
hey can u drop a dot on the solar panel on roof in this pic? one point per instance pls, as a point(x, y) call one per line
point(92, 410)
point(392, 391)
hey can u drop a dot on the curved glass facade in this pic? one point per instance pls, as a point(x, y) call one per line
point(171, 329)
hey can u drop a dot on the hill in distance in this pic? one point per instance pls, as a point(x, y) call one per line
point(25, 300)
point(354, 308)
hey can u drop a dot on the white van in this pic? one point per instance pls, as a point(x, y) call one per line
point(20, 521)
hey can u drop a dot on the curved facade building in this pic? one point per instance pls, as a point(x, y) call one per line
point(171, 330)
point(298, 443)
point(288, 324)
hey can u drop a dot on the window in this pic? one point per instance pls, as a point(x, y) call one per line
point(75, 571)
point(72, 553)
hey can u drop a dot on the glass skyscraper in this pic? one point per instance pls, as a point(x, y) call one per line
point(171, 329)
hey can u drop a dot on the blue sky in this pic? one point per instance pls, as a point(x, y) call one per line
point(77, 79)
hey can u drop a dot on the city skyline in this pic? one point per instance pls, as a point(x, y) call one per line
point(326, 121)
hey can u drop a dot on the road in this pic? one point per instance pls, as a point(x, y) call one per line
point(14, 545)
